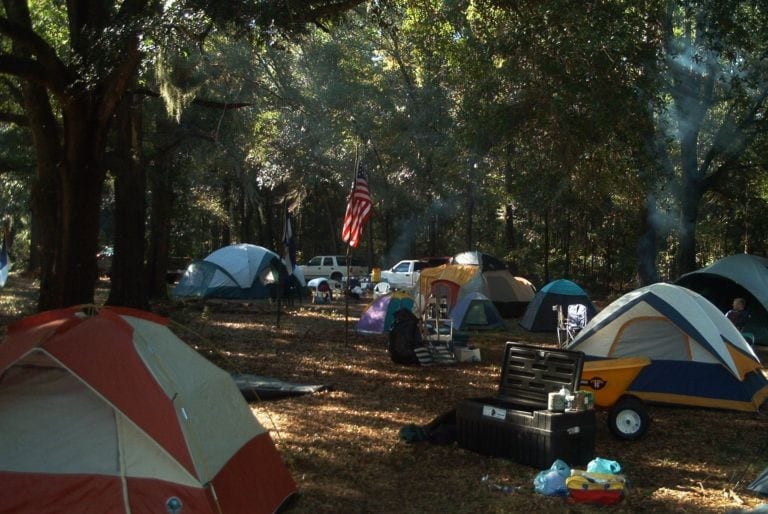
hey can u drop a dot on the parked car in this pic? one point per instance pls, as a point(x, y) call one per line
point(333, 267)
point(405, 274)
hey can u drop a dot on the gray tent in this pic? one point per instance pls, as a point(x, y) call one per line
point(760, 484)
point(739, 275)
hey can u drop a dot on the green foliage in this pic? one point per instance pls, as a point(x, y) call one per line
point(16, 174)
point(534, 131)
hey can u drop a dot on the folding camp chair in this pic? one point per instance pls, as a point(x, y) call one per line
point(568, 326)
point(437, 332)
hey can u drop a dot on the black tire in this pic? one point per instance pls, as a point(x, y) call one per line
point(336, 276)
point(628, 419)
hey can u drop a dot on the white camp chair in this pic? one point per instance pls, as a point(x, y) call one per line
point(568, 326)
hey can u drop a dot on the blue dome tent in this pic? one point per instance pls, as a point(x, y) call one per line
point(234, 272)
point(541, 316)
point(475, 311)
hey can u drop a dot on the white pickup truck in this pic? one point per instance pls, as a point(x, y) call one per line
point(404, 274)
point(333, 267)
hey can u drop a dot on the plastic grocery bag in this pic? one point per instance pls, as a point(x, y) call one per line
point(601, 465)
point(551, 482)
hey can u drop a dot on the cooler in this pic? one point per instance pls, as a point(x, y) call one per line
point(516, 424)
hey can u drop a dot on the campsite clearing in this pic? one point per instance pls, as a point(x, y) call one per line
point(343, 449)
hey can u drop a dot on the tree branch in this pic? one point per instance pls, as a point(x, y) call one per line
point(13, 90)
point(26, 69)
point(16, 119)
point(212, 104)
point(731, 150)
point(331, 9)
point(31, 42)
point(117, 83)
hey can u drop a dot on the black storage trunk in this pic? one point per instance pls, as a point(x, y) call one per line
point(516, 424)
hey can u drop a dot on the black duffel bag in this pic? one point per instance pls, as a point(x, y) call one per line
point(404, 336)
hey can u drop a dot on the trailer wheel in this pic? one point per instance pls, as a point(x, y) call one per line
point(628, 419)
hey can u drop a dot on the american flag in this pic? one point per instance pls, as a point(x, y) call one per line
point(358, 209)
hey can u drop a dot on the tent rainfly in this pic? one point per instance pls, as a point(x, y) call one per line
point(698, 358)
point(740, 275)
point(380, 315)
point(108, 411)
point(475, 311)
point(235, 271)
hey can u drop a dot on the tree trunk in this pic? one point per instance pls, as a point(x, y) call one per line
point(509, 208)
point(127, 274)
point(82, 184)
point(73, 139)
point(546, 246)
point(690, 197)
point(469, 216)
point(226, 225)
point(162, 200)
point(567, 243)
point(647, 246)
point(45, 201)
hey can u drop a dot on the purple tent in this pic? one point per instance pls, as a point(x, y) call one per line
point(378, 317)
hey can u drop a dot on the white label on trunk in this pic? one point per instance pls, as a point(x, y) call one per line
point(494, 412)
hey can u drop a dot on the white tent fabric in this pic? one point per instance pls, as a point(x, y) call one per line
point(243, 261)
point(638, 324)
point(110, 411)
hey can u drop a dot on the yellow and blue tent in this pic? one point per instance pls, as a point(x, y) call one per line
point(698, 358)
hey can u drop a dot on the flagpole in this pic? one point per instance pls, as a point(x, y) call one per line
point(349, 270)
point(279, 274)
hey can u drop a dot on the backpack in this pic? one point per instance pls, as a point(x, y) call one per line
point(404, 336)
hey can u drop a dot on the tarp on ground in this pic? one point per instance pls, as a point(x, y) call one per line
point(257, 387)
point(698, 358)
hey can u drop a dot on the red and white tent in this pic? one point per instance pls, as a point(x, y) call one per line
point(110, 412)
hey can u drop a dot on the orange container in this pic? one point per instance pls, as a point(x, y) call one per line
point(608, 379)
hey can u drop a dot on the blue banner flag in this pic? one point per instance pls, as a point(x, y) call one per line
point(5, 264)
point(290, 247)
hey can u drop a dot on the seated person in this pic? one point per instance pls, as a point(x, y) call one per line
point(323, 293)
point(737, 314)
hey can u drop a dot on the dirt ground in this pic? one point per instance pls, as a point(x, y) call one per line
point(343, 446)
